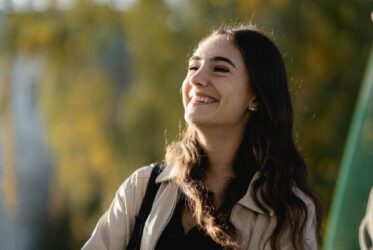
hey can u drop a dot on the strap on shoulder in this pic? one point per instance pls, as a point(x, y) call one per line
point(145, 208)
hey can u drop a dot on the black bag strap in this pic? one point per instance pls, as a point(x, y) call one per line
point(146, 206)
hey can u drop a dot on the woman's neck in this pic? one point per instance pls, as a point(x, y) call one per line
point(221, 147)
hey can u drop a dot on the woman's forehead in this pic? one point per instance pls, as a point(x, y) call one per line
point(219, 46)
point(216, 45)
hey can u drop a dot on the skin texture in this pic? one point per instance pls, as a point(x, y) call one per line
point(227, 83)
point(216, 96)
point(220, 124)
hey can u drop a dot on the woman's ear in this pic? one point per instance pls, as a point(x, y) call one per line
point(253, 104)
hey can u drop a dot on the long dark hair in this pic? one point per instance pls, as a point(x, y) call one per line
point(267, 146)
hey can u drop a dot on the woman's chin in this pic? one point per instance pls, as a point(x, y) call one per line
point(197, 120)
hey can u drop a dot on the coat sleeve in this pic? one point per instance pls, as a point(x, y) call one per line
point(114, 228)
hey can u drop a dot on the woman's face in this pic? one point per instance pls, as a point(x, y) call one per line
point(216, 90)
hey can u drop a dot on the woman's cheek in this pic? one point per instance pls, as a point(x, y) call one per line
point(184, 93)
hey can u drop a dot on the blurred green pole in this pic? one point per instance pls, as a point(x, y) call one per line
point(356, 173)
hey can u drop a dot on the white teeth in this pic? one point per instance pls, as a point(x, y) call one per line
point(203, 99)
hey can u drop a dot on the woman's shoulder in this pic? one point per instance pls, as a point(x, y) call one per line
point(142, 172)
point(307, 200)
point(140, 177)
point(137, 179)
point(311, 220)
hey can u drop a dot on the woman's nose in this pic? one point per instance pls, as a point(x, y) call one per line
point(199, 78)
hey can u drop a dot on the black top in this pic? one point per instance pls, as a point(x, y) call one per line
point(174, 236)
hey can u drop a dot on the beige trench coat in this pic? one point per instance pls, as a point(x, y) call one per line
point(254, 226)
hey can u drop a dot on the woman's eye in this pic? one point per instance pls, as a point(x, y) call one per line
point(192, 68)
point(221, 69)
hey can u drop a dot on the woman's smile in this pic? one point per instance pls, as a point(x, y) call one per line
point(201, 98)
point(216, 90)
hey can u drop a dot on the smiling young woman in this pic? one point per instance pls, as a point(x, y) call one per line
point(235, 179)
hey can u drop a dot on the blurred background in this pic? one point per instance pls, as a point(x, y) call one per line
point(90, 91)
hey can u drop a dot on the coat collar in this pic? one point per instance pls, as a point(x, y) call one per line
point(170, 172)
point(248, 201)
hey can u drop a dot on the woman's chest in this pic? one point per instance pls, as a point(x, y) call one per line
point(253, 228)
point(182, 232)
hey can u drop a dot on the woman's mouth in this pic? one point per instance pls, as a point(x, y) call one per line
point(202, 100)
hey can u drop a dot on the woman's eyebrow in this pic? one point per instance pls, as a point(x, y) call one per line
point(215, 58)
point(222, 58)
